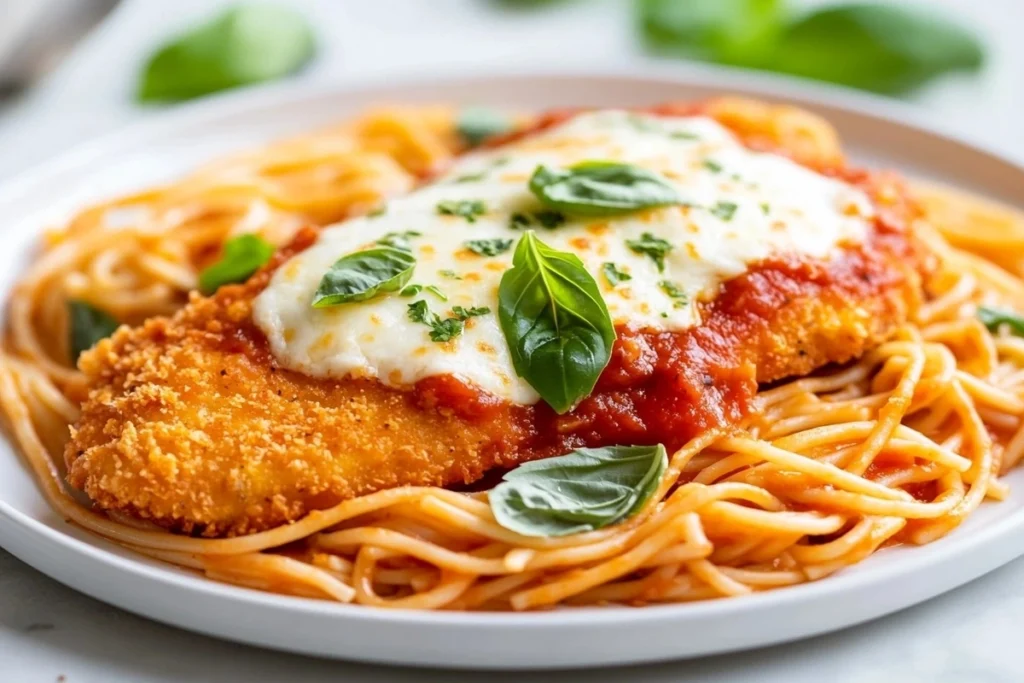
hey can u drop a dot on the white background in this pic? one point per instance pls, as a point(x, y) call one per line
point(973, 635)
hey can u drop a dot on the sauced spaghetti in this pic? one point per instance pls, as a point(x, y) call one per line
point(900, 446)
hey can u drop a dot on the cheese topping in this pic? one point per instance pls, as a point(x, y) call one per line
point(741, 207)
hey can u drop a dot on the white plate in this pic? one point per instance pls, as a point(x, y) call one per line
point(874, 131)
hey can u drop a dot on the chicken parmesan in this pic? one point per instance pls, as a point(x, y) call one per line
point(258, 405)
point(590, 356)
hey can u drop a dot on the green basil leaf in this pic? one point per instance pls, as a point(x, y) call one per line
point(490, 247)
point(86, 326)
point(875, 46)
point(363, 275)
point(241, 257)
point(555, 322)
point(994, 318)
point(585, 490)
point(738, 32)
point(476, 124)
point(246, 44)
point(601, 188)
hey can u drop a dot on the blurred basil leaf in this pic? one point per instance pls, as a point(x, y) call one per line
point(245, 44)
point(871, 46)
point(87, 325)
point(738, 32)
point(875, 47)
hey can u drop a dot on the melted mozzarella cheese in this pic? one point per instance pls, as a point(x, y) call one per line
point(742, 206)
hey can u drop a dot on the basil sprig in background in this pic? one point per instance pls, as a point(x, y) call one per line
point(240, 257)
point(867, 45)
point(249, 43)
point(587, 489)
point(86, 326)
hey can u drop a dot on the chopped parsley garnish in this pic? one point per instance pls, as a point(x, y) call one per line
point(549, 219)
point(470, 177)
point(442, 330)
point(724, 210)
point(546, 218)
point(473, 311)
point(683, 135)
point(489, 247)
point(651, 246)
point(419, 312)
point(450, 274)
point(379, 211)
point(411, 290)
point(433, 289)
point(465, 208)
point(642, 124)
point(712, 166)
point(765, 208)
point(398, 240)
point(675, 292)
point(613, 275)
point(519, 221)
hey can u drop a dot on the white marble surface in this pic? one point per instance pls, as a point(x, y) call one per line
point(47, 632)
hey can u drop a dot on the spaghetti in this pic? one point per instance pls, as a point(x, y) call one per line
point(899, 447)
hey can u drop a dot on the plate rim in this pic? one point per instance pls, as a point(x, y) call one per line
point(724, 80)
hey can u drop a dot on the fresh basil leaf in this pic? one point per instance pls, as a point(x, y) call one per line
point(601, 188)
point(86, 326)
point(476, 124)
point(555, 322)
point(466, 208)
point(654, 247)
point(241, 257)
point(364, 274)
point(875, 46)
point(738, 32)
point(490, 247)
point(245, 44)
point(587, 489)
point(613, 275)
point(994, 318)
